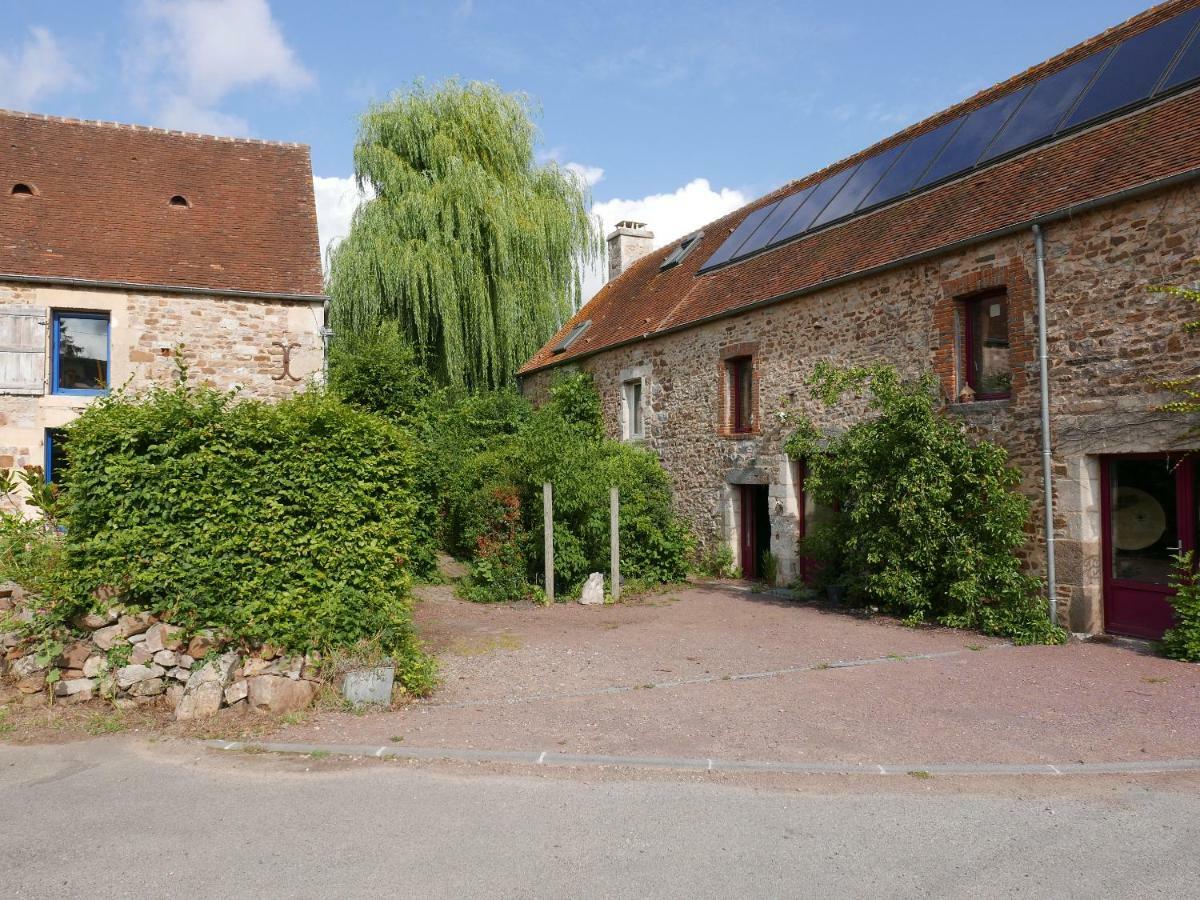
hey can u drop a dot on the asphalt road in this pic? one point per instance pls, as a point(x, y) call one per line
point(120, 817)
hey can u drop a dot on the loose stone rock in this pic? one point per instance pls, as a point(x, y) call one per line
point(94, 621)
point(151, 687)
point(128, 676)
point(237, 692)
point(94, 665)
point(76, 687)
point(107, 638)
point(199, 645)
point(26, 666)
point(140, 655)
point(168, 659)
point(135, 624)
point(593, 590)
point(186, 661)
point(163, 637)
point(277, 694)
point(32, 684)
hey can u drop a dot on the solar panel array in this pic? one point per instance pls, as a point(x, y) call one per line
point(1106, 83)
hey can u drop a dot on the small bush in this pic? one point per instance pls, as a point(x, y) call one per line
point(929, 521)
point(292, 523)
point(1183, 641)
point(715, 561)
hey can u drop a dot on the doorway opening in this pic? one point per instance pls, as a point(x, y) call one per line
point(1148, 505)
point(754, 528)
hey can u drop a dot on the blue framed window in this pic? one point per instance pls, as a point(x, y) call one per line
point(80, 353)
point(56, 455)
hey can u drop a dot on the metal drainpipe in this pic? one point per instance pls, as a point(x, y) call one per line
point(326, 334)
point(1047, 459)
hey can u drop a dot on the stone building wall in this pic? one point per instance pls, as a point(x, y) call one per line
point(226, 342)
point(1109, 340)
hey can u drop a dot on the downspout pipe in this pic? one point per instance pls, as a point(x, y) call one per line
point(1047, 457)
point(326, 334)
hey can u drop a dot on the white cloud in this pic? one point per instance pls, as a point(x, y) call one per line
point(193, 53)
point(589, 175)
point(337, 199)
point(669, 216)
point(35, 70)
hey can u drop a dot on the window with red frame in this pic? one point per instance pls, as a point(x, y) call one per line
point(741, 394)
point(986, 346)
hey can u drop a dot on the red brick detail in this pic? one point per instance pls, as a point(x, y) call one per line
point(725, 381)
point(1151, 144)
point(102, 212)
point(947, 322)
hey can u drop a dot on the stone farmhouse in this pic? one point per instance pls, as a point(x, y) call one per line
point(1071, 187)
point(121, 246)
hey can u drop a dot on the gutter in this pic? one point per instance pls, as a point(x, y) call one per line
point(1058, 215)
point(135, 287)
point(1047, 457)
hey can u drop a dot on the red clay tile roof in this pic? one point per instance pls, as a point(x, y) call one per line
point(1140, 148)
point(101, 208)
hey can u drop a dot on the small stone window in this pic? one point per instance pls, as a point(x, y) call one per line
point(986, 364)
point(739, 386)
point(180, 200)
point(631, 400)
point(21, 189)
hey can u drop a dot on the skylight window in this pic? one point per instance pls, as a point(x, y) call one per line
point(676, 256)
point(572, 336)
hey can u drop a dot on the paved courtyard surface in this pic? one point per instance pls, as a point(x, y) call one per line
point(719, 672)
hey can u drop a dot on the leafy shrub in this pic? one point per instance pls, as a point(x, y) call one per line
point(377, 372)
point(928, 520)
point(715, 561)
point(1183, 641)
point(292, 523)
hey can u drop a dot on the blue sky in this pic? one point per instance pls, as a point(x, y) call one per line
point(675, 112)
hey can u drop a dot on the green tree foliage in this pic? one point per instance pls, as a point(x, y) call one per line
point(562, 443)
point(1183, 640)
point(470, 246)
point(928, 521)
point(293, 523)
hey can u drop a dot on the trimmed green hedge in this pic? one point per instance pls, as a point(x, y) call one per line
point(295, 523)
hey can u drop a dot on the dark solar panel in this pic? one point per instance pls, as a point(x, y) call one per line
point(802, 220)
point(1105, 82)
point(857, 188)
point(1134, 69)
point(1046, 105)
point(976, 133)
point(918, 153)
point(728, 249)
point(1188, 67)
point(781, 213)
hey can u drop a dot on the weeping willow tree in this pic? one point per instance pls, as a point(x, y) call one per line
point(470, 246)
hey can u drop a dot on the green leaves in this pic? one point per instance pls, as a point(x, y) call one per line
point(928, 522)
point(1183, 640)
point(294, 523)
point(469, 246)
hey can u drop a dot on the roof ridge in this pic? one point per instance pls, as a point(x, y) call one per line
point(150, 129)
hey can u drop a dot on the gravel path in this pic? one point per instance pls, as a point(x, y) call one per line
point(716, 671)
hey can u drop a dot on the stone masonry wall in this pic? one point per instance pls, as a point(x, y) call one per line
point(226, 342)
point(1109, 340)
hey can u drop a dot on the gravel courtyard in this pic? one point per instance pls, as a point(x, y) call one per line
point(718, 671)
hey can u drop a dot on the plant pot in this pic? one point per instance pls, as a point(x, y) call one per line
point(364, 687)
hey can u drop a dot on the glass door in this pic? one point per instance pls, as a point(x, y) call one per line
point(1149, 516)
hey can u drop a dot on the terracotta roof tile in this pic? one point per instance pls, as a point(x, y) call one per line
point(1139, 148)
point(101, 209)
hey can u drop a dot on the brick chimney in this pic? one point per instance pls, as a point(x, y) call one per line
point(628, 243)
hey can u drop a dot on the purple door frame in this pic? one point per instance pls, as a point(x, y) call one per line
point(1138, 608)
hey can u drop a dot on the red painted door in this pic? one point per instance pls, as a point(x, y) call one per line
point(1149, 516)
point(747, 533)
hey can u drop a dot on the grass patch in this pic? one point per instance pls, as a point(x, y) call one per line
point(920, 774)
point(319, 754)
point(104, 724)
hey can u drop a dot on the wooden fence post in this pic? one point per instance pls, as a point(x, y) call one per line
point(548, 520)
point(614, 541)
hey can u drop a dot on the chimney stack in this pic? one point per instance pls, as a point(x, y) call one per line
point(628, 243)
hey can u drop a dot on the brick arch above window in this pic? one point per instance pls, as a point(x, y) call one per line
point(1015, 280)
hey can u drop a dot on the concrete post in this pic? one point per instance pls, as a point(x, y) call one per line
point(548, 523)
point(614, 542)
